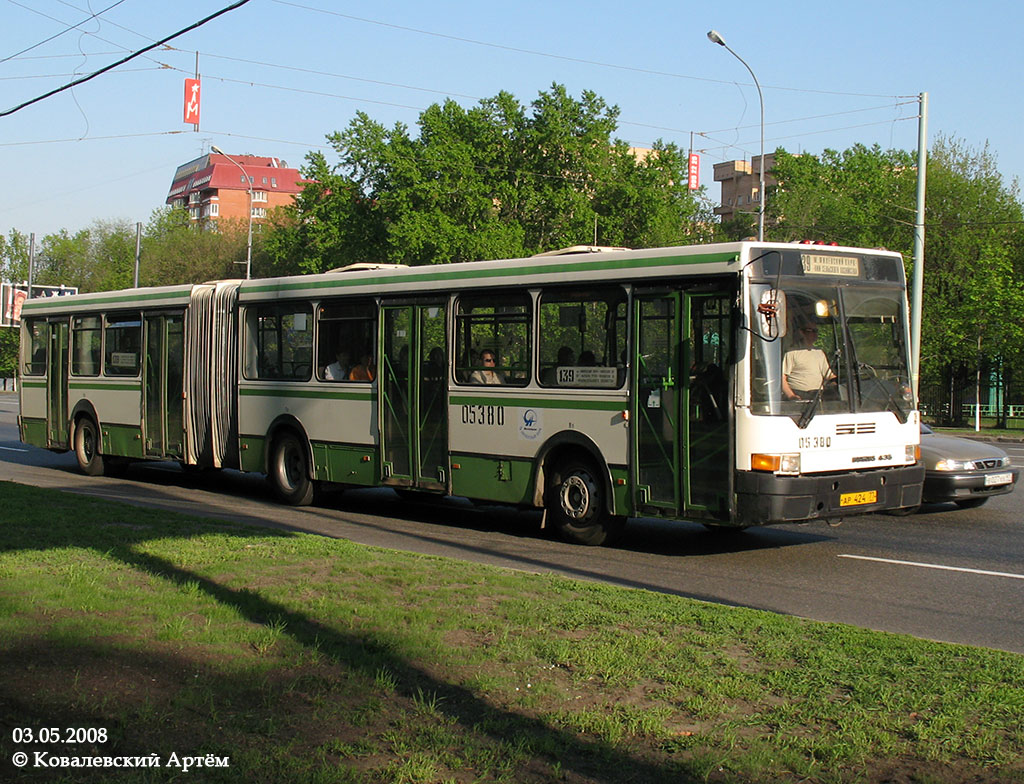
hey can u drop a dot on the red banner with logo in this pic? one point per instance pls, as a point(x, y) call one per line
point(694, 180)
point(192, 101)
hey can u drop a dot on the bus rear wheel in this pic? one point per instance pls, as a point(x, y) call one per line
point(87, 447)
point(576, 505)
point(289, 470)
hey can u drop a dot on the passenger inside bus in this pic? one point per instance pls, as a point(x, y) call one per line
point(488, 375)
point(364, 371)
point(339, 369)
point(434, 369)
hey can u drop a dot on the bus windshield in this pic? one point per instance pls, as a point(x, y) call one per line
point(842, 349)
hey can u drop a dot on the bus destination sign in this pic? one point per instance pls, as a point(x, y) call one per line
point(821, 264)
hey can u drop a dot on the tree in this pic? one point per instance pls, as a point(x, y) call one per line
point(14, 254)
point(494, 181)
point(974, 258)
point(8, 354)
point(974, 246)
point(175, 251)
point(99, 258)
point(863, 197)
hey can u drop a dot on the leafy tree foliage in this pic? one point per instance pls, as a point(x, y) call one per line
point(974, 245)
point(175, 251)
point(8, 354)
point(102, 257)
point(494, 181)
point(14, 255)
point(974, 260)
point(863, 197)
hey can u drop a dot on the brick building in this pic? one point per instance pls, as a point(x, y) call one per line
point(213, 188)
point(741, 186)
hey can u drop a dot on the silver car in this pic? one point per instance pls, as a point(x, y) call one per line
point(963, 471)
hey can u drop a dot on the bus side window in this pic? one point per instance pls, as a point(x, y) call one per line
point(493, 327)
point(33, 347)
point(582, 337)
point(123, 340)
point(280, 341)
point(85, 346)
point(346, 333)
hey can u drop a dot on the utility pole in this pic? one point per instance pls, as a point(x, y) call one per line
point(138, 251)
point(917, 290)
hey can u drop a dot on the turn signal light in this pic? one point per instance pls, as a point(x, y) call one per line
point(779, 464)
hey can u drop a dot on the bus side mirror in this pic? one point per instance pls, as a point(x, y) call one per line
point(771, 314)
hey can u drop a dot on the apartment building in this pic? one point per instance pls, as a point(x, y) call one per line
point(741, 186)
point(215, 187)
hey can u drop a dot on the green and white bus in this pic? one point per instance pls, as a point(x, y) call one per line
point(596, 384)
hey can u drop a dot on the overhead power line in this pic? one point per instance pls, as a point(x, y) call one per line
point(62, 32)
point(124, 60)
point(583, 61)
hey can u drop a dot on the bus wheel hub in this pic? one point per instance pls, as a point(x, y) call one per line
point(576, 494)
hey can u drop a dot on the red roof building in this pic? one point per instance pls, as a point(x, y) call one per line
point(213, 188)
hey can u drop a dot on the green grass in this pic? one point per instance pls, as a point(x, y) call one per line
point(306, 659)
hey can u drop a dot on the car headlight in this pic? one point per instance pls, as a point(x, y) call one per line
point(1005, 461)
point(949, 464)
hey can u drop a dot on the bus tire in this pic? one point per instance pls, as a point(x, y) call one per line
point(576, 505)
point(87, 447)
point(289, 470)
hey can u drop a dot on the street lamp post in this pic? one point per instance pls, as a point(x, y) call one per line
point(715, 38)
point(248, 183)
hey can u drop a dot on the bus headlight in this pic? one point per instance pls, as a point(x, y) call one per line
point(778, 464)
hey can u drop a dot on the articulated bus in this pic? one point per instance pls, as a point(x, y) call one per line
point(594, 384)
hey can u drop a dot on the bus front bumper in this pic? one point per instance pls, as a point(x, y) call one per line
point(764, 498)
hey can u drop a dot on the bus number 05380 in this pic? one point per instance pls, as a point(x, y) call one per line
point(483, 415)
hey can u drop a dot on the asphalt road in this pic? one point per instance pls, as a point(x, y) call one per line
point(943, 574)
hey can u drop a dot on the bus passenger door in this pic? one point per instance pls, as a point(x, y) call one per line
point(162, 385)
point(656, 388)
point(681, 431)
point(413, 390)
point(57, 385)
point(706, 454)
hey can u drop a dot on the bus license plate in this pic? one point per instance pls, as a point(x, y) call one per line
point(998, 479)
point(856, 499)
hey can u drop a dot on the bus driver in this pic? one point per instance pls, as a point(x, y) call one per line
point(805, 367)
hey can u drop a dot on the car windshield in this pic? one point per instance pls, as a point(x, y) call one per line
point(843, 349)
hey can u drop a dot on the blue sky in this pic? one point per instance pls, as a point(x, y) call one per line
point(279, 75)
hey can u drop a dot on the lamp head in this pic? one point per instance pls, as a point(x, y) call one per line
point(219, 151)
point(715, 38)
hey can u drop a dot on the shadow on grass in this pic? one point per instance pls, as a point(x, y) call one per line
point(58, 663)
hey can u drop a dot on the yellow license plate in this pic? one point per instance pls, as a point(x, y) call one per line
point(856, 499)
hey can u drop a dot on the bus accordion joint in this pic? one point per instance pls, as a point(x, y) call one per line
point(788, 464)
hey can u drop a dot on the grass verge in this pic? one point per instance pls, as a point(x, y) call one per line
point(296, 658)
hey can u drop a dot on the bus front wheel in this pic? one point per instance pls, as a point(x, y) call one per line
point(576, 505)
point(289, 470)
point(87, 447)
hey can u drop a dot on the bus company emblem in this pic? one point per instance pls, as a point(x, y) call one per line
point(529, 424)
